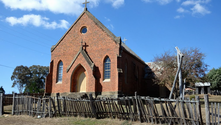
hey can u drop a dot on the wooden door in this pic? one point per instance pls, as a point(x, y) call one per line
point(81, 82)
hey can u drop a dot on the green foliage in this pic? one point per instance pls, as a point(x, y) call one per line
point(192, 97)
point(214, 77)
point(20, 77)
point(31, 78)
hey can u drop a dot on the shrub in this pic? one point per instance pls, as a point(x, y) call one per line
point(192, 97)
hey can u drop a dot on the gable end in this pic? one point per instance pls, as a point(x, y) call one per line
point(96, 21)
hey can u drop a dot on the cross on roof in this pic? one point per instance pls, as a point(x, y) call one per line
point(124, 40)
point(85, 4)
point(83, 44)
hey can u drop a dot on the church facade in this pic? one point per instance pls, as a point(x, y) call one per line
point(89, 58)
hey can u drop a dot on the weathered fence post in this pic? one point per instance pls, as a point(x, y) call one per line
point(138, 109)
point(199, 110)
point(218, 114)
point(206, 100)
point(49, 107)
point(93, 106)
point(13, 104)
point(58, 103)
point(1, 104)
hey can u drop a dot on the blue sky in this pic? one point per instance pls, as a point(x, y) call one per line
point(28, 28)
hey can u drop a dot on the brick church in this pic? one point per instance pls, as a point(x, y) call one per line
point(89, 58)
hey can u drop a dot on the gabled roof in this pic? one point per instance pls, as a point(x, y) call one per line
point(86, 57)
point(131, 52)
point(105, 29)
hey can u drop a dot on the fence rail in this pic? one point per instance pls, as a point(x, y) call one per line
point(134, 108)
point(8, 98)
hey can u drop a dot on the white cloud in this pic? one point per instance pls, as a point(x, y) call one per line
point(116, 3)
point(162, 2)
point(37, 20)
point(107, 19)
point(178, 16)
point(188, 6)
point(199, 9)
point(70, 7)
point(110, 26)
point(189, 2)
point(148, 1)
point(194, 2)
point(181, 10)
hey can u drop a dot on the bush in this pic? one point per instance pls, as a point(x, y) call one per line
point(192, 97)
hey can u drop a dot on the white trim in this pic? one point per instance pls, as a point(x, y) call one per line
point(106, 80)
point(59, 83)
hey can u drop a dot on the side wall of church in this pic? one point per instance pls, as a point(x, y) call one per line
point(100, 45)
point(134, 80)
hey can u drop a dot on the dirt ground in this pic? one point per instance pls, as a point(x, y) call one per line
point(8, 119)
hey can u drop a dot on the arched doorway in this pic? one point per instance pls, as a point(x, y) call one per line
point(79, 81)
point(81, 84)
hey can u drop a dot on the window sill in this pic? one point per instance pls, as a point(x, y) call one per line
point(59, 83)
point(106, 80)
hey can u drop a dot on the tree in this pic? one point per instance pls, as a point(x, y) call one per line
point(31, 78)
point(214, 77)
point(193, 67)
point(20, 77)
point(37, 79)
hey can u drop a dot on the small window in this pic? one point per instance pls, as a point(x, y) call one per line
point(60, 71)
point(84, 30)
point(107, 68)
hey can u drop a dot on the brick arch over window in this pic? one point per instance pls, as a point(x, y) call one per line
point(59, 71)
point(107, 68)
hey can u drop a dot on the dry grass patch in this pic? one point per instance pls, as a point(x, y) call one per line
point(28, 120)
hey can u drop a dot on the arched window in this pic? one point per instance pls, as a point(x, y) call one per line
point(125, 73)
point(107, 68)
point(60, 71)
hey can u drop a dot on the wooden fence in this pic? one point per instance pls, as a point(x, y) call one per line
point(8, 97)
point(212, 112)
point(134, 108)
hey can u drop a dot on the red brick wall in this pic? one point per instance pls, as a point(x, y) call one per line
point(48, 85)
point(100, 46)
point(135, 82)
